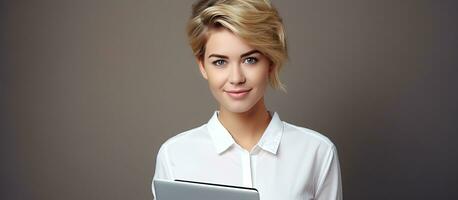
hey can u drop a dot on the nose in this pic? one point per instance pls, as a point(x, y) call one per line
point(237, 76)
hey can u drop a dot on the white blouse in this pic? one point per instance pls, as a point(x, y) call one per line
point(289, 162)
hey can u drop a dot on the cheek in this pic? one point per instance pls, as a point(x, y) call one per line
point(260, 76)
point(216, 80)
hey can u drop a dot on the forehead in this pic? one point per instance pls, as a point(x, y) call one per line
point(224, 42)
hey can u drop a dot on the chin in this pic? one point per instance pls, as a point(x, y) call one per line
point(238, 108)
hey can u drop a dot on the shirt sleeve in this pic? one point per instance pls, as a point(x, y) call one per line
point(329, 181)
point(162, 168)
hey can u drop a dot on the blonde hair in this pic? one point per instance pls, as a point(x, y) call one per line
point(255, 21)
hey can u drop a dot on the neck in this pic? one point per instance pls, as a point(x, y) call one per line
point(246, 128)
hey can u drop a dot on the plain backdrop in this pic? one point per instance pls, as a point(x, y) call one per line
point(90, 89)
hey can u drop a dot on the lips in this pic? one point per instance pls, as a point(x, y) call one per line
point(238, 94)
point(238, 91)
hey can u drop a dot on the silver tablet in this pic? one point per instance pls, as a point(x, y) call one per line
point(191, 190)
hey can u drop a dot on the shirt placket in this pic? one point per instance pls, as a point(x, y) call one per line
point(246, 169)
point(248, 166)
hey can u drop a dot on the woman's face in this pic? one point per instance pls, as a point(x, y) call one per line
point(237, 73)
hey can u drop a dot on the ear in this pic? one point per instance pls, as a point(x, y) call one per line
point(271, 67)
point(200, 62)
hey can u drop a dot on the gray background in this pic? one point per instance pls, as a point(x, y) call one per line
point(90, 89)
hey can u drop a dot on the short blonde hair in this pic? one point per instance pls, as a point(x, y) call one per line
point(255, 21)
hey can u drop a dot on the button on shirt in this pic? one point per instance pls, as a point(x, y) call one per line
point(288, 162)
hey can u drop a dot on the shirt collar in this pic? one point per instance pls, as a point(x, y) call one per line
point(222, 139)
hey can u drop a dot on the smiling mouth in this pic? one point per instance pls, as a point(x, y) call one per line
point(237, 94)
point(238, 91)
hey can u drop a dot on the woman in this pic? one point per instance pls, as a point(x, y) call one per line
point(240, 47)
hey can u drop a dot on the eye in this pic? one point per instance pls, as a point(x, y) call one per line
point(219, 62)
point(250, 60)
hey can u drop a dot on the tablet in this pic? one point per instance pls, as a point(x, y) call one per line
point(192, 190)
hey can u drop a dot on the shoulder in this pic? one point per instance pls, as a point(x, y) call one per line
point(186, 139)
point(305, 137)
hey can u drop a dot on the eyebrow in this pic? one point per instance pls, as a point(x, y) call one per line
point(241, 56)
